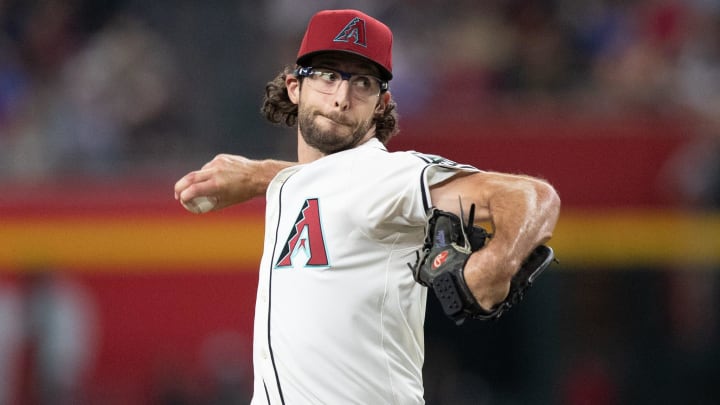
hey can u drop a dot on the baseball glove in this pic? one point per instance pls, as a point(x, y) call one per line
point(440, 263)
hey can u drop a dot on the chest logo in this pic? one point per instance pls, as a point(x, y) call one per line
point(305, 247)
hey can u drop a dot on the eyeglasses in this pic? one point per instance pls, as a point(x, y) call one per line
point(326, 80)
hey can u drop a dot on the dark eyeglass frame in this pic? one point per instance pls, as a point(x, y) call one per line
point(306, 71)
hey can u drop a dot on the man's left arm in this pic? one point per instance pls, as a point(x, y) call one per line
point(522, 212)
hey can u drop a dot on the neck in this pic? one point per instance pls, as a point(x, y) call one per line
point(306, 153)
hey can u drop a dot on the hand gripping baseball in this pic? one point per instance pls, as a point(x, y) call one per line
point(440, 263)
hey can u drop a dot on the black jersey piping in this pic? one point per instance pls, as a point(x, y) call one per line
point(423, 189)
point(272, 259)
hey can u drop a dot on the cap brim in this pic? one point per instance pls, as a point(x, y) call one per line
point(384, 73)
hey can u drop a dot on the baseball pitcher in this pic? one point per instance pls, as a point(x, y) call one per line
point(356, 236)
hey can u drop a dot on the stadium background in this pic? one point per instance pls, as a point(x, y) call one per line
point(110, 293)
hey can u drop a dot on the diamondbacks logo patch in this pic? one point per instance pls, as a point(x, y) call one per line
point(305, 247)
point(354, 31)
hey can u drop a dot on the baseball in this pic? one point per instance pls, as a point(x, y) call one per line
point(200, 205)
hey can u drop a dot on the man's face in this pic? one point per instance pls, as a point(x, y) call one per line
point(332, 122)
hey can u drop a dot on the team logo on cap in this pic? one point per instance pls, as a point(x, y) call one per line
point(354, 31)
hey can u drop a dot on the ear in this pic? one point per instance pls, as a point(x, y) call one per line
point(383, 102)
point(293, 88)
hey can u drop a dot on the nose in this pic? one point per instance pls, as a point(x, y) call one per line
point(342, 96)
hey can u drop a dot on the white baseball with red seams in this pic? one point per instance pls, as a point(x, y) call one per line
point(200, 205)
point(339, 317)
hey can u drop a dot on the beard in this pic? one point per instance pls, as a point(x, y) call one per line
point(342, 135)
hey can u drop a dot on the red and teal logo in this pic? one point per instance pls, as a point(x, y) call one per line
point(353, 32)
point(305, 246)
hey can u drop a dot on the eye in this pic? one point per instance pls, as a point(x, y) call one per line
point(364, 82)
point(328, 75)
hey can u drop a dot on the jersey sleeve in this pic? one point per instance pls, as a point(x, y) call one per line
point(403, 196)
point(437, 169)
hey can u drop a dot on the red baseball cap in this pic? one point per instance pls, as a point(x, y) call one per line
point(348, 31)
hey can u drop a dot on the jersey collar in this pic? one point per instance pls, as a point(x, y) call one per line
point(373, 143)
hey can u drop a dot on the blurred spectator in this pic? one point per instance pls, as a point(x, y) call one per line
point(61, 331)
point(47, 339)
point(692, 179)
point(11, 334)
point(84, 99)
point(693, 175)
point(119, 98)
point(227, 357)
point(695, 172)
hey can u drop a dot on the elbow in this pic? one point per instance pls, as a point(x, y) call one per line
point(548, 207)
point(553, 198)
point(547, 195)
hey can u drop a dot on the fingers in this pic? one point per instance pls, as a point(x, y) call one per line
point(188, 185)
point(194, 184)
point(183, 184)
point(206, 182)
point(226, 178)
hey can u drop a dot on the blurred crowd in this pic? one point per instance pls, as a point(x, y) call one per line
point(83, 89)
point(117, 87)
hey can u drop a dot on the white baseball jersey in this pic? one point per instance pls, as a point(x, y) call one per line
point(339, 317)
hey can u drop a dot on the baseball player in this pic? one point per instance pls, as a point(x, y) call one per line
point(355, 235)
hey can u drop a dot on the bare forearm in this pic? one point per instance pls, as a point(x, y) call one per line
point(522, 219)
point(522, 211)
point(266, 171)
point(229, 180)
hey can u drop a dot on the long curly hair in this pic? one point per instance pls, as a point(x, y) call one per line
point(278, 109)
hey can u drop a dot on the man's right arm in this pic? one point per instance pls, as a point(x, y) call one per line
point(231, 179)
